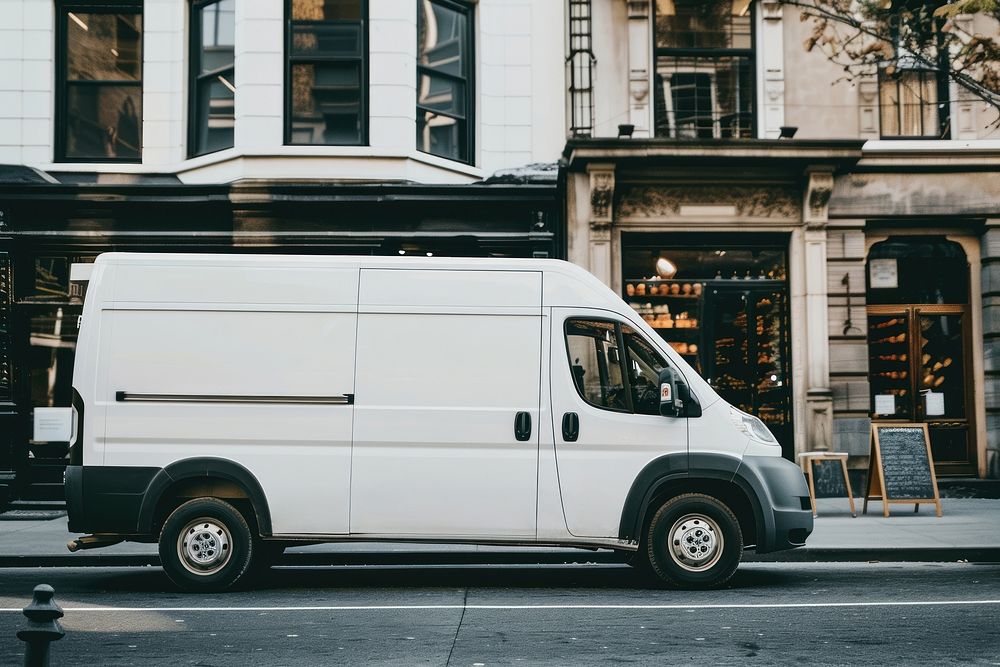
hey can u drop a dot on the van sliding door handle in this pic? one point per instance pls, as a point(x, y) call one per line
point(522, 426)
point(571, 427)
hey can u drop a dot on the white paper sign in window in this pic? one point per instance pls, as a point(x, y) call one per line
point(883, 273)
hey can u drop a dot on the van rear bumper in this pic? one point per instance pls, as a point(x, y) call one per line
point(786, 517)
point(106, 499)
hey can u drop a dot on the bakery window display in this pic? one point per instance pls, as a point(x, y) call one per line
point(673, 308)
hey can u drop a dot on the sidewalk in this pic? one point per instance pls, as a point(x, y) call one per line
point(969, 530)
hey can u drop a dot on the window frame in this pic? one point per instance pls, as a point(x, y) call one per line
point(620, 342)
point(60, 115)
point(363, 60)
point(712, 54)
point(195, 78)
point(469, 80)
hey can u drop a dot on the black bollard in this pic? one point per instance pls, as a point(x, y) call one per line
point(43, 626)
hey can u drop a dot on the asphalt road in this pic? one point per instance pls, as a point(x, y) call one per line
point(820, 614)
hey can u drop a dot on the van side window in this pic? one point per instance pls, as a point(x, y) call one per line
point(643, 364)
point(595, 360)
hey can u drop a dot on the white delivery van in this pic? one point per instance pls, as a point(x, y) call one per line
point(227, 406)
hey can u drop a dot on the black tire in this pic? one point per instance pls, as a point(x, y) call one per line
point(214, 531)
point(694, 541)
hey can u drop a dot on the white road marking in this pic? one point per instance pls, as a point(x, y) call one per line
point(537, 607)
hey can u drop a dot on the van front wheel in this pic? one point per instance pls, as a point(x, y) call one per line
point(694, 541)
point(206, 545)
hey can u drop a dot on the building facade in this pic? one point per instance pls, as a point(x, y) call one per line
point(297, 126)
point(821, 250)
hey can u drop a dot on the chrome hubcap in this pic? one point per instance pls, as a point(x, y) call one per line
point(204, 546)
point(695, 542)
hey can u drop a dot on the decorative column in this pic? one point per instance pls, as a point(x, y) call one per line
point(602, 196)
point(819, 399)
point(771, 61)
point(639, 39)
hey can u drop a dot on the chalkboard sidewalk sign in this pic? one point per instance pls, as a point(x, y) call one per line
point(900, 467)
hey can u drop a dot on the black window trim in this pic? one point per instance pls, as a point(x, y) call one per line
point(620, 342)
point(61, 126)
point(469, 80)
point(364, 60)
point(195, 78)
point(715, 54)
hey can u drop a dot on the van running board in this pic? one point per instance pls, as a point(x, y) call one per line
point(93, 542)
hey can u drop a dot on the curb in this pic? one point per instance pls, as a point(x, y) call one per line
point(356, 559)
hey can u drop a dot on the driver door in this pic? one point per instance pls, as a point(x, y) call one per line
point(604, 380)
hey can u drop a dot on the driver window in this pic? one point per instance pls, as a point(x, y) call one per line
point(596, 363)
point(644, 364)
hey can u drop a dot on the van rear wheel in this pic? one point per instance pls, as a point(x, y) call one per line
point(694, 541)
point(206, 545)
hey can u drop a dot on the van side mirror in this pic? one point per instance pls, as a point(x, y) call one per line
point(668, 393)
point(676, 399)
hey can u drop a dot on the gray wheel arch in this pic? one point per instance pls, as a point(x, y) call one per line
point(204, 468)
point(683, 471)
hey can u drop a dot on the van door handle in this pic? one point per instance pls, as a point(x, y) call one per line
point(522, 426)
point(571, 427)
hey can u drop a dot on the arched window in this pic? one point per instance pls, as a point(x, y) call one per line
point(918, 270)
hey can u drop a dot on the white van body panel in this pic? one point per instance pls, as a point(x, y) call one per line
point(224, 330)
point(445, 361)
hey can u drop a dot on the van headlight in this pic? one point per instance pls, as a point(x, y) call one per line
point(752, 426)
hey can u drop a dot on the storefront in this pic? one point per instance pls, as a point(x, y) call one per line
point(720, 245)
point(47, 227)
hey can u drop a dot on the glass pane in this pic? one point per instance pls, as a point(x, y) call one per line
point(218, 28)
point(103, 46)
point(53, 333)
point(927, 270)
point(594, 362)
point(326, 103)
point(703, 24)
point(51, 278)
point(942, 377)
point(769, 361)
point(326, 10)
point(326, 40)
point(720, 263)
point(889, 108)
point(441, 38)
point(441, 135)
point(704, 97)
point(889, 366)
point(730, 375)
point(441, 94)
point(215, 114)
point(644, 366)
point(103, 121)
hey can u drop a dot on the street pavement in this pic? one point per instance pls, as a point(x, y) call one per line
point(772, 613)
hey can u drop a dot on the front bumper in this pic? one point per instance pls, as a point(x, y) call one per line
point(785, 518)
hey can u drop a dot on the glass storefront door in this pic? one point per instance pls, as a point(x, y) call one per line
point(917, 367)
point(919, 328)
